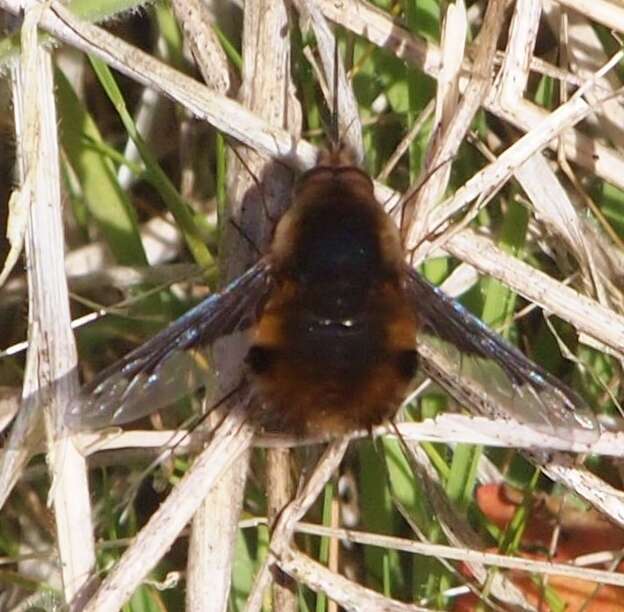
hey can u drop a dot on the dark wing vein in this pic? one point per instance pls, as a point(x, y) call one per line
point(163, 368)
point(447, 319)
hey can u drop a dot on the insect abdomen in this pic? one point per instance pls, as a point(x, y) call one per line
point(317, 376)
point(334, 348)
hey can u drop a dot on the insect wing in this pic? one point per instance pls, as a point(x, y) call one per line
point(169, 365)
point(516, 385)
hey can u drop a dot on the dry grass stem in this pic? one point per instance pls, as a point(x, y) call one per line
point(291, 514)
point(263, 125)
point(454, 117)
point(464, 554)
point(583, 313)
point(196, 21)
point(514, 74)
point(565, 470)
point(457, 530)
point(448, 427)
point(257, 190)
point(497, 173)
point(230, 441)
point(280, 491)
point(350, 125)
point(349, 595)
point(50, 378)
point(378, 28)
point(585, 54)
point(606, 12)
point(214, 526)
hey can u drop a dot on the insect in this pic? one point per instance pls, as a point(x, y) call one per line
point(334, 318)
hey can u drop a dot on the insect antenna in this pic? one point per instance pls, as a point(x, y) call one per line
point(334, 132)
point(336, 137)
point(329, 92)
point(343, 145)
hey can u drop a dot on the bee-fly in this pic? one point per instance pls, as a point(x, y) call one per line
point(333, 315)
point(335, 346)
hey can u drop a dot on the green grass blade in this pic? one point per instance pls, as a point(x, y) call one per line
point(108, 204)
point(178, 207)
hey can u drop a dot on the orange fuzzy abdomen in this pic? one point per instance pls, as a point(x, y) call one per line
point(329, 377)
